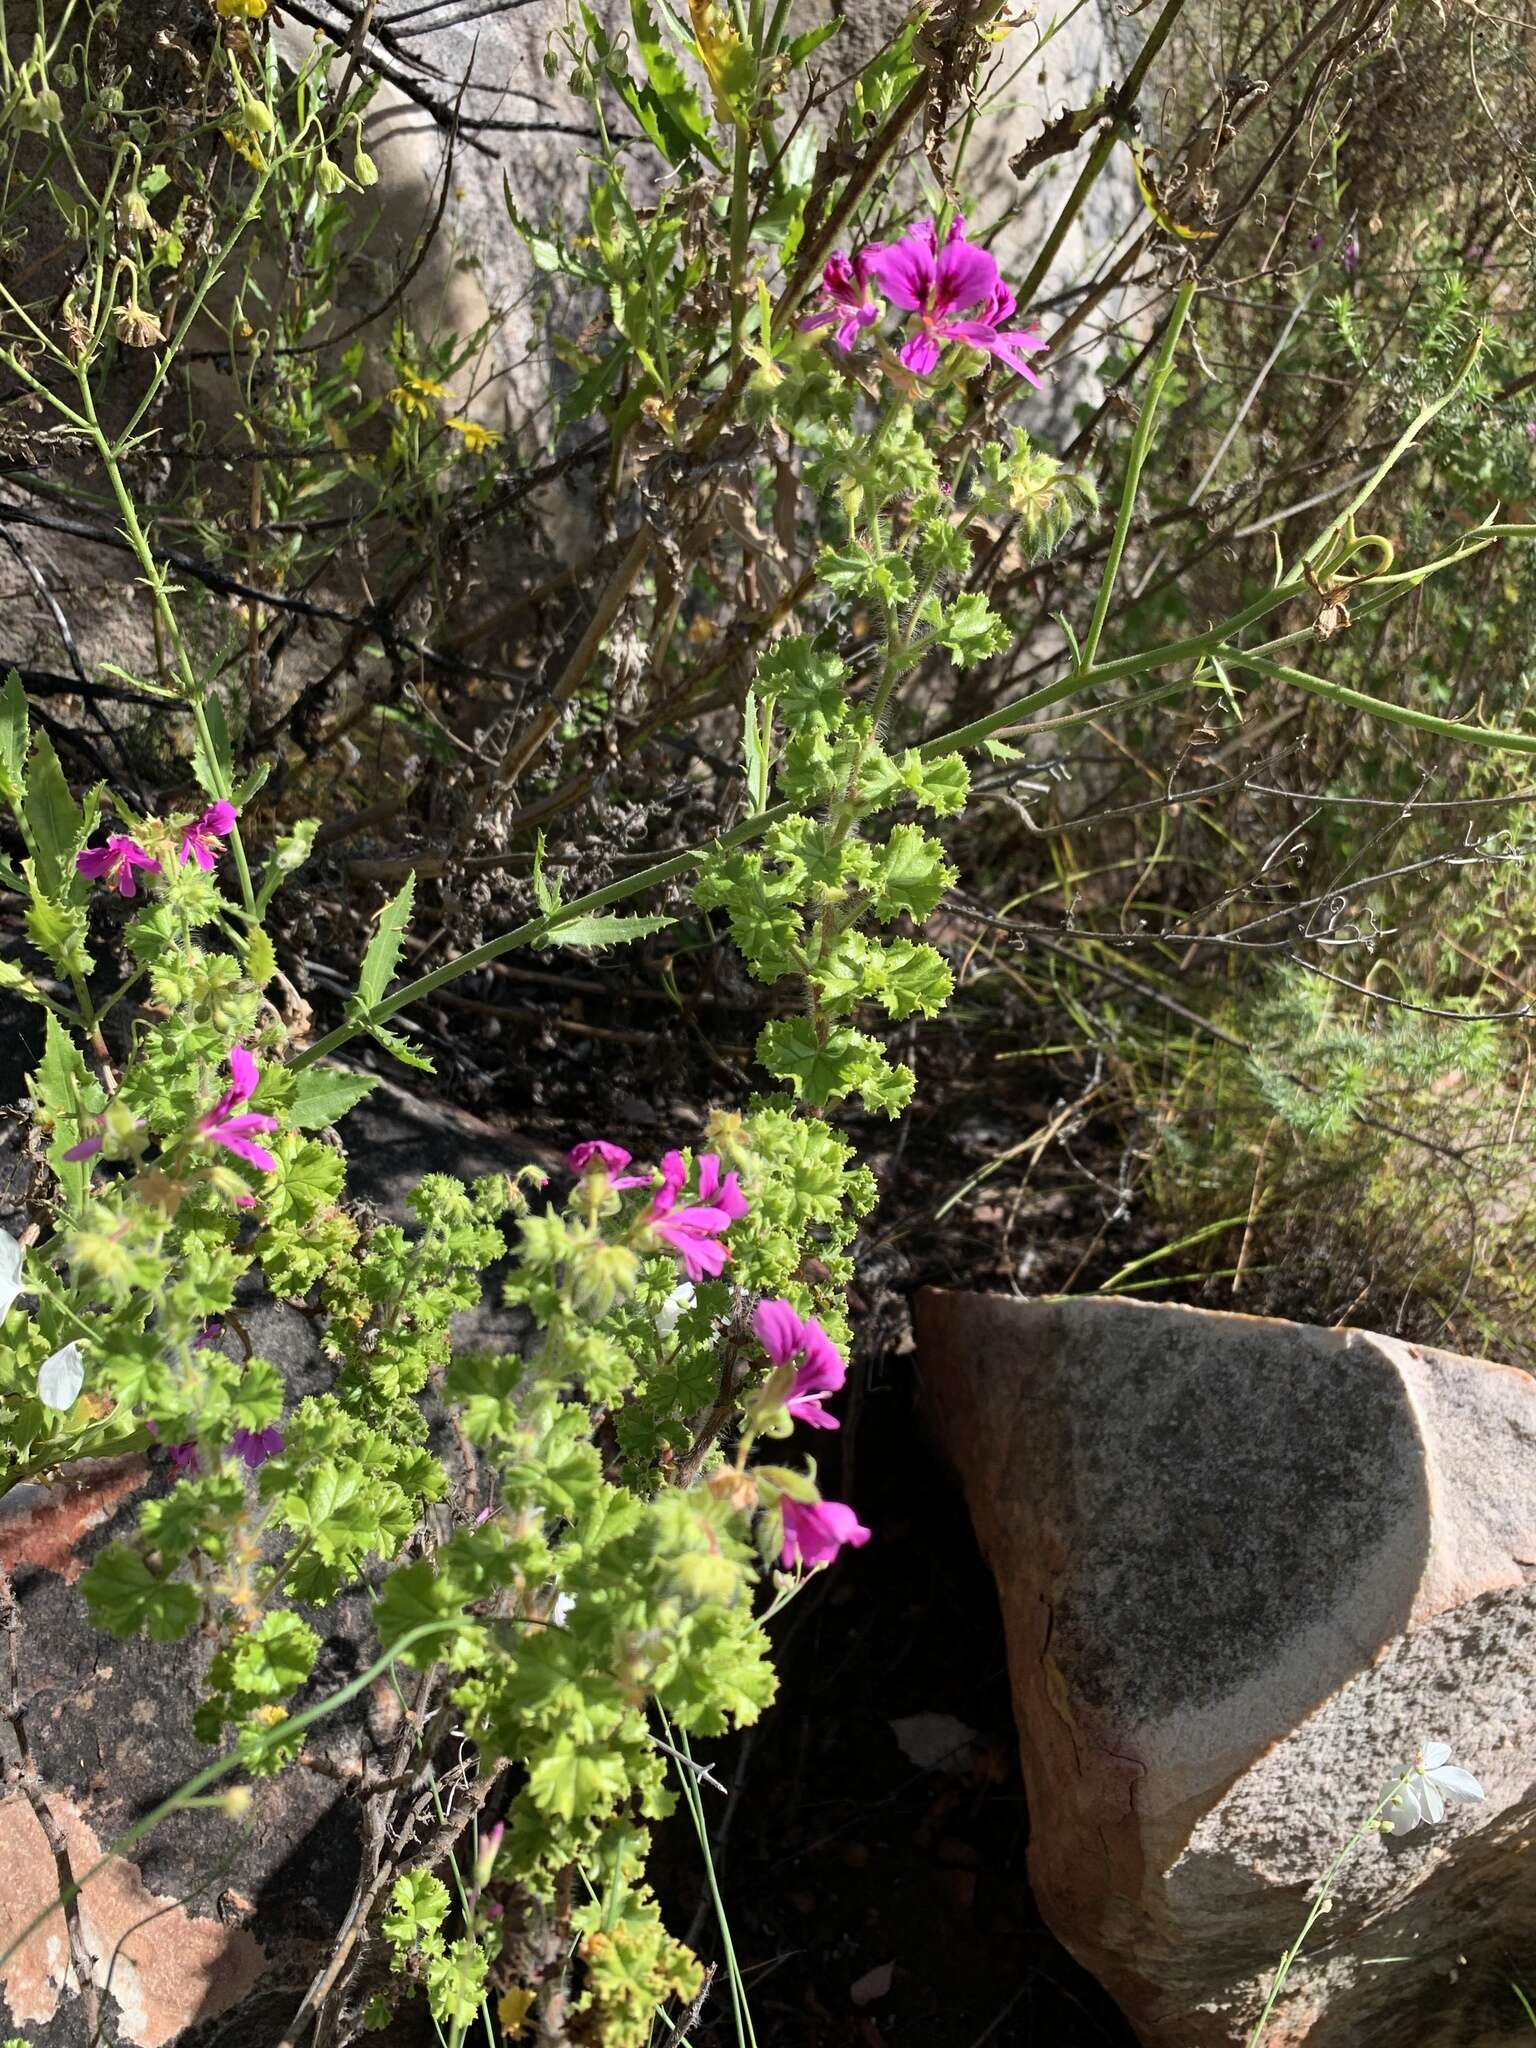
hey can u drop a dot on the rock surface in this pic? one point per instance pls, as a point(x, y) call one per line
point(1246, 1569)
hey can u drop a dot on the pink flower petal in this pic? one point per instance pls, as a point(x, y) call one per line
point(244, 1073)
point(778, 1329)
point(921, 355)
point(814, 1532)
point(905, 271)
point(964, 276)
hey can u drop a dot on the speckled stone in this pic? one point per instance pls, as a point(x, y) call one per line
point(1246, 1568)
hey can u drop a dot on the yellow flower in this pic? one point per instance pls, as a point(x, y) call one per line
point(240, 10)
point(244, 144)
point(412, 393)
point(513, 2008)
point(476, 438)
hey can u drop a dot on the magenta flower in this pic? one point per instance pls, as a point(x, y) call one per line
point(815, 1532)
point(941, 281)
point(611, 1158)
point(216, 822)
point(846, 283)
point(116, 861)
point(1351, 256)
point(235, 1133)
point(1011, 345)
point(87, 1148)
point(786, 1337)
point(724, 1194)
point(183, 1456)
point(211, 1332)
point(255, 1446)
point(694, 1232)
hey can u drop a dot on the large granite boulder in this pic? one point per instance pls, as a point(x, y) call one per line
point(1247, 1569)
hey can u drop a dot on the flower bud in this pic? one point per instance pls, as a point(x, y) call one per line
point(485, 1860)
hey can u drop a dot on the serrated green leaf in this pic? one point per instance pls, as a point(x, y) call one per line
point(54, 821)
point(802, 46)
point(569, 1782)
point(13, 739)
point(821, 1071)
point(58, 929)
point(213, 761)
point(916, 979)
point(602, 928)
point(323, 1095)
point(260, 956)
point(399, 1047)
point(912, 875)
point(274, 1658)
point(12, 977)
point(383, 954)
point(417, 1909)
point(59, 1087)
point(667, 107)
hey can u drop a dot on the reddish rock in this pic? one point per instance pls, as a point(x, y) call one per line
point(164, 1967)
point(1246, 1569)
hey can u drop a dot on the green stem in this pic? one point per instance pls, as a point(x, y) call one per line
point(1378, 707)
point(1141, 445)
point(1320, 1904)
point(741, 193)
point(1124, 101)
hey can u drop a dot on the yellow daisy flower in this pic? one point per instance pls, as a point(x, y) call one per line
point(476, 438)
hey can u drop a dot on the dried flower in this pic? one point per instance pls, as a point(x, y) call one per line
point(136, 328)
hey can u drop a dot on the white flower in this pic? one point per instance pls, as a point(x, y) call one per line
point(60, 1378)
point(1434, 1780)
point(675, 1305)
point(10, 1272)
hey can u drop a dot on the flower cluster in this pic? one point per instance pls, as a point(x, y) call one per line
point(690, 1230)
point(952, 288)
point(219, 1125)
point(806, 1365)
point(115, 862)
